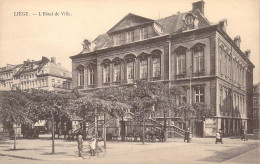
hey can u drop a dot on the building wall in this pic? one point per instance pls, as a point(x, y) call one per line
point(135, 49)
point(225, 88)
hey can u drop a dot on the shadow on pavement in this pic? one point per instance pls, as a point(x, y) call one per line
point(21, 149)
point(58, 153)
point(223, 155)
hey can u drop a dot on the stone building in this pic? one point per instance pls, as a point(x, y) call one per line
point(177, 49)
point(43, 74)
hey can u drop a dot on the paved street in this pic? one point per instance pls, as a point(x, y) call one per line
point(201, 150)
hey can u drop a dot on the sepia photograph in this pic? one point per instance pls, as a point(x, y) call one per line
point(129, 81)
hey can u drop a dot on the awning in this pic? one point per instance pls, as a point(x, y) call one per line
point(40, 123)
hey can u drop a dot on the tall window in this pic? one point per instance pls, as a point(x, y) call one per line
point(143, 68)
point(230, 69)
point(53, 82)
point(106, 73)
point(130, 70)
point(81, 77)
point(181, 66)
point(46, 82)
point(117, 39)
point(199, 94)
point(220, 60)
point(156, 66)
point(143, 33)
point(198, 59)
point(117, 72)
point(91, 76)
point(220, 99)
point(129, 36)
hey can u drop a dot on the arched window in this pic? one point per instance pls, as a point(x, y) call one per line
point(180, 61)
point(156, 63)
point(143, 65)
point(91, 72)
point(130, 59)
point(80, 71)
point(198, 58)
point(117, 70)
point(106, 70)
point(81, 77)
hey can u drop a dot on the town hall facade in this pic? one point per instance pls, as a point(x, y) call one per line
point(183, 50)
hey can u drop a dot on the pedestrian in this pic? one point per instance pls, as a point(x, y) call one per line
point(93, 144)
point(187, 136)
point(219, 137)
point(80, 145)
point(244, 135)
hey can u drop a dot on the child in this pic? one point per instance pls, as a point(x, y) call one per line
point(80, 145)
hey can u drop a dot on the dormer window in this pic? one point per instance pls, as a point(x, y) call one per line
point(189, 19)
point(116, 39)
point(129, 36)
point(143, 33)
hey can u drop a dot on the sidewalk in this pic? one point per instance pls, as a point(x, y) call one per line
point(202, 150)
point(251, 157)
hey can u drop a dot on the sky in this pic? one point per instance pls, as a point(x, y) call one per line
point(34, 36)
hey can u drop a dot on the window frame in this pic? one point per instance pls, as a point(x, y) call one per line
point(200, 95)
point(156, 56)
point(143, 67)
point(199, 49)
point(81, 77)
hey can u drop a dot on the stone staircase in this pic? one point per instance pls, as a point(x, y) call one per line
point(170, 128)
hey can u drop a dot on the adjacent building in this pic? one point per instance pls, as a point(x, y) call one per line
point(42, 74)
point(179, 49)
point(256, 106)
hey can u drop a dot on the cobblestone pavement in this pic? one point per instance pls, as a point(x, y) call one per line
point(200, 150)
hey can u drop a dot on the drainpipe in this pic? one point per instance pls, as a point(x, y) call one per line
point(170, 82)
point(170, 42)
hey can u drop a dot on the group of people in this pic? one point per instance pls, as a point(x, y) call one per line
point(93, 144)
point(219, 136)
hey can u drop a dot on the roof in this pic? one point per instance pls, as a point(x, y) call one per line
point(173, 24)
point(30, 66)
point(130, 20)
point(54, 69)
point(58, 70)
point(9, 67)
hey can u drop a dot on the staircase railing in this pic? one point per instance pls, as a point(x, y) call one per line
point(170, 128)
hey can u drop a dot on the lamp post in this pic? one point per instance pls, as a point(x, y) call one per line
point(190, 88)
point(190, 80)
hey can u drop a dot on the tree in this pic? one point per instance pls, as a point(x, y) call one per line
point(145, 96)
point(51, 105)
point(123, 95)
point(100, 103)
point(203, 110)
point(186, 112)
point(14, 106)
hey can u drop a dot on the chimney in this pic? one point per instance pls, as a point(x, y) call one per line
point(53, 60)
point(237, 41)
point(198, 5)
point(247, 53)
point(223, 24)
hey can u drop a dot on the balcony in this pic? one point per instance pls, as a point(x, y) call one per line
point(180, 76)
point(198, 74)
